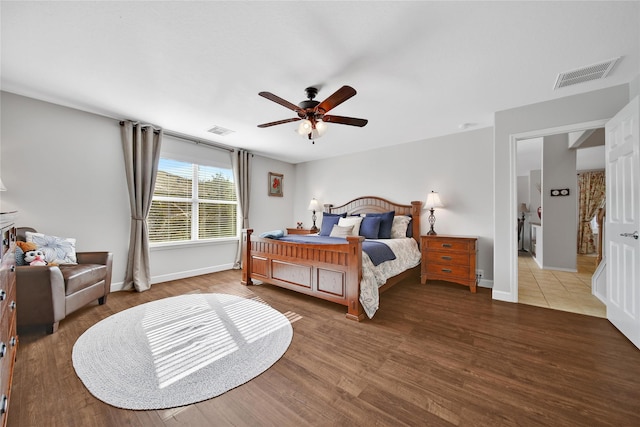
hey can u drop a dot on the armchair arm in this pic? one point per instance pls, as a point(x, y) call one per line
point(104, 258)
point(40, 295)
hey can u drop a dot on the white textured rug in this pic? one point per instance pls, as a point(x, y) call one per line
point(179, 350)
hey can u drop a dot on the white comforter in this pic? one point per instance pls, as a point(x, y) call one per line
point(407, 256)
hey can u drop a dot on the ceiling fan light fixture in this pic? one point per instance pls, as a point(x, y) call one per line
point(305, 127)
point(321, 128)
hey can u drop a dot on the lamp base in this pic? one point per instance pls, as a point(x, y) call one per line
point(314, 229)
point(432, 232)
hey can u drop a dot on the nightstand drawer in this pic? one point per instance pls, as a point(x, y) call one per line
point(449, 244)
point(461, 271)
point(448, 258)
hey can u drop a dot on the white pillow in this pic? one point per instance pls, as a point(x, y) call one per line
point(399, 227)
point(59, 250)
point(351, 220)
point(338, 231)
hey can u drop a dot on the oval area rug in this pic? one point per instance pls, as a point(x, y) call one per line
point(179, 350)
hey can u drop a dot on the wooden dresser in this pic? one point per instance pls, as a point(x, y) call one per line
point(8, 335)
point(450, 258)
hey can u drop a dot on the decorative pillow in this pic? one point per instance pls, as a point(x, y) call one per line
point(20, 256)
point(340, 231)
point(59, 250)
point(386, 222)
point(352, 220)
point(370, 227)
point(410, 227)
point(399, 228)
point(328, 221)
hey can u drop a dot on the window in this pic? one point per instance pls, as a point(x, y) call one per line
point(192, 202)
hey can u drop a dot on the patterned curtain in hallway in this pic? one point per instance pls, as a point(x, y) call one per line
point(591, 186)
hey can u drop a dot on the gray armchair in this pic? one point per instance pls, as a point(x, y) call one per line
point(47, 294)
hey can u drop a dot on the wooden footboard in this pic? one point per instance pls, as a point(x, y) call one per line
point(329, 272)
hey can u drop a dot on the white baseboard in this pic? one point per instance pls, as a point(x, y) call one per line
point(178, 275)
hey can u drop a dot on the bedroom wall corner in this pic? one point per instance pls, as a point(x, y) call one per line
point(266, 212)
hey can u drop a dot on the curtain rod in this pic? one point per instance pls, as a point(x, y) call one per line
point(199, 141)
point(192, 139)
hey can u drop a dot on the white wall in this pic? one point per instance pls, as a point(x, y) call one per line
point(591, 106)
point(559, 213)
point(64, 172)
point(458, 166)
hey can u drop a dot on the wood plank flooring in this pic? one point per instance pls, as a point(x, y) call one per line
point(434, 355)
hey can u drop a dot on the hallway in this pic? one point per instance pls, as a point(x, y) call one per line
point(558, 290)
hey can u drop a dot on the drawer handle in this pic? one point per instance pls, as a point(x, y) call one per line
point(13, 341)
point(446, 270)
point(3, 349)
point(446, 245)
point(12, 306)
point(4, 404)
point(3, 295)
point(446, 258)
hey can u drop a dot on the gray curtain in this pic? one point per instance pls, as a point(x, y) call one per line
point(240, 160)
point(141, 145)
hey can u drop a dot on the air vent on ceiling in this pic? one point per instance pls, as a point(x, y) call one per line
point(585, 74)
point(219, 130)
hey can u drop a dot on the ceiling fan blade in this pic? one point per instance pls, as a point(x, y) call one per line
point(338, 97)
point(280, 101)
point(279, 122)
point(345, 120)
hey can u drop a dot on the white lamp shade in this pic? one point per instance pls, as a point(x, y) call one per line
point(523, 207)
point(314, 205)
point(2, 187)
point(305, 127)
point(433, 201)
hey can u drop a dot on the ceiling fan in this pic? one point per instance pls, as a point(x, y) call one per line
point(313, 114)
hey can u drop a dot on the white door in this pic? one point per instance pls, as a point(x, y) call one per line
point(622, 148)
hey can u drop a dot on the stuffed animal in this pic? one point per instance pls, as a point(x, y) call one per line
point(34, 257)
point(26, 246)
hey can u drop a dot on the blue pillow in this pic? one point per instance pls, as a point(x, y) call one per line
point(328, 221)
point(370, 227)
point(386, 222)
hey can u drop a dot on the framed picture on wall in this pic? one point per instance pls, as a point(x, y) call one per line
point(275, 184)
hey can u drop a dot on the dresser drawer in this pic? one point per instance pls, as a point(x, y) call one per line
point(447, 258)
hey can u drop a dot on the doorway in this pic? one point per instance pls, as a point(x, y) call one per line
point(559, 289)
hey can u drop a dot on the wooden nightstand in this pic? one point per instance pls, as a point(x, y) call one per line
point(300, 231)
point(450, 258)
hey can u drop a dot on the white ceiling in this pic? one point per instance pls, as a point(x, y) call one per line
point(420, 68)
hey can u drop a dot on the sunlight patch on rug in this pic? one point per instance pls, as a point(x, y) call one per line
point(180, 350)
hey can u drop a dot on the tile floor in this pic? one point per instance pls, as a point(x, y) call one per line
point(559, 290)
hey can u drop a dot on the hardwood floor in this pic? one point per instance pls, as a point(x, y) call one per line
point(434, 355)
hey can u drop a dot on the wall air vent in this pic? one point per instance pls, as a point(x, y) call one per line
point(585, 74)
point(219, 130)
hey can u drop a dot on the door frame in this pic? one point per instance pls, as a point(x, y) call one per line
point(513, 190)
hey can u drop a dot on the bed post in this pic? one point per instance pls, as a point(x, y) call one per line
point(246, 256)
point(416, 211)
point(354, 277)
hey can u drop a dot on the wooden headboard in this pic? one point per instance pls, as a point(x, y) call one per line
point(373, 204)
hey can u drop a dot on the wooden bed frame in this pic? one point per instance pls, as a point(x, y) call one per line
point(329, 272)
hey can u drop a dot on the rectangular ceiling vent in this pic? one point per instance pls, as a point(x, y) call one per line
point(585, 74)
point(219, 130)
